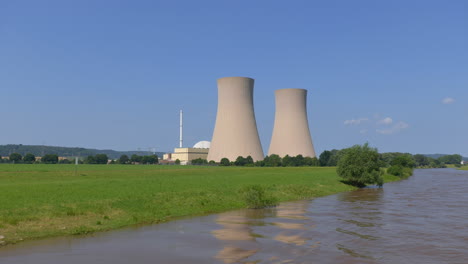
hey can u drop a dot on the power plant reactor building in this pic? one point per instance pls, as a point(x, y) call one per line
point(291, 134)
point(235, 133)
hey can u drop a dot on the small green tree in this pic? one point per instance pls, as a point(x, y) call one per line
point(29, 158)
point(101, 159)
point(135, 158)
point(15, 157)
point(124, 159)
point(240, 161)
point(224, 162)
point(50, 159)
point(272, 161)
point(324, 158)
point(359, 166)
point(177, 161)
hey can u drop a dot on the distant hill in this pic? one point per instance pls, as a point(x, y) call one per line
point(436, 156)
point(6, 150)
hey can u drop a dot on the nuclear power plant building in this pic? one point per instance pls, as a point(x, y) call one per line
point(235, 133)
point(291, 134)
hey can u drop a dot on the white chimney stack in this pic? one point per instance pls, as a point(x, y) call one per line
point(181, 120)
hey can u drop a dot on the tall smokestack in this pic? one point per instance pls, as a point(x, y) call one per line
point(235, 133)
point(291, 134)
point(180, 128)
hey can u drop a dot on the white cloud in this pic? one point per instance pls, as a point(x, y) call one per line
point(394, 129)
point(356, 121)
point(448, 100)
point(385, 121)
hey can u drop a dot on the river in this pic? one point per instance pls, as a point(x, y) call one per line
point(423, 219)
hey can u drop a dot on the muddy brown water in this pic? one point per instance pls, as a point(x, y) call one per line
point(423, 219)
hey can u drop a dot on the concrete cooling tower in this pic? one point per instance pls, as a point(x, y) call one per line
point(235, 133)
point(291, 134)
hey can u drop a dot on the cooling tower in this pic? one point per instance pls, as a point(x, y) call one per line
point(291, 134)
point(235, 133)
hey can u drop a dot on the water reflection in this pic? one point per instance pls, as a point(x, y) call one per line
point(241, 230)
point(423, 219)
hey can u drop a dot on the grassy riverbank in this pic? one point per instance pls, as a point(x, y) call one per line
point(50, 200)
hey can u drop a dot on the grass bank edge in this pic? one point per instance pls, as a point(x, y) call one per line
point(55, 217)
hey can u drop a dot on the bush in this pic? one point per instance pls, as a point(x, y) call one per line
point(255, 198)
point(225, 162)
point(359, 166)
point(50, 159)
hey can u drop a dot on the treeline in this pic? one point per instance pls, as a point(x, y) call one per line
point(30, 158)
point(39, 150)
point(394, 161)
point(269, 161)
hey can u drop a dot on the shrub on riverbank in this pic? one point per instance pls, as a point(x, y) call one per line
point(255, 197)
point(360, 166)
point(400, 171)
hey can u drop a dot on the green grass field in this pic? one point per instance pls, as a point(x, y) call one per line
point(50, 200)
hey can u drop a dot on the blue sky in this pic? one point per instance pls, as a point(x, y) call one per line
point(114, 74)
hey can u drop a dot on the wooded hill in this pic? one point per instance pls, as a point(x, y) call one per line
point(6, 150)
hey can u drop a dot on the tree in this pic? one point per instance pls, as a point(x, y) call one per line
point(90, 159)
point(150, 159)
point(123, 159)
point(451, 159)
point(421, 160)
point(324, 158)
point(101, 159)
point(135, 158)
point(177, 161)
point(240, 161)
point(224, 162)
point(308, 161)
point(15, 157)
point(405, 161)
point(29, 158)
point(50, 159)
point(359, 166)
point(65, 161)
point(286, 161)
point(249, 161)
point(272, 161)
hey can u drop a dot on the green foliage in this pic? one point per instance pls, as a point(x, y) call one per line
point(124, 159)
point(49, 159)
point(15, 157)
point(240, 161)
point(359, 166)
point(314, 162)
point(199, 161)
point(324, 158)
point(224, 162)
point(421, 160)
point(29, 158)
point(39, 151)
point(329, 158)
point(90, 160)
point(177, 162)
point(400, 171)
point(101, 159)
point(149, 159)
point(255, 197)
point(272, 161)
point(65, 161)
point(451, 159)
point(135, 158)
point(405, 160)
